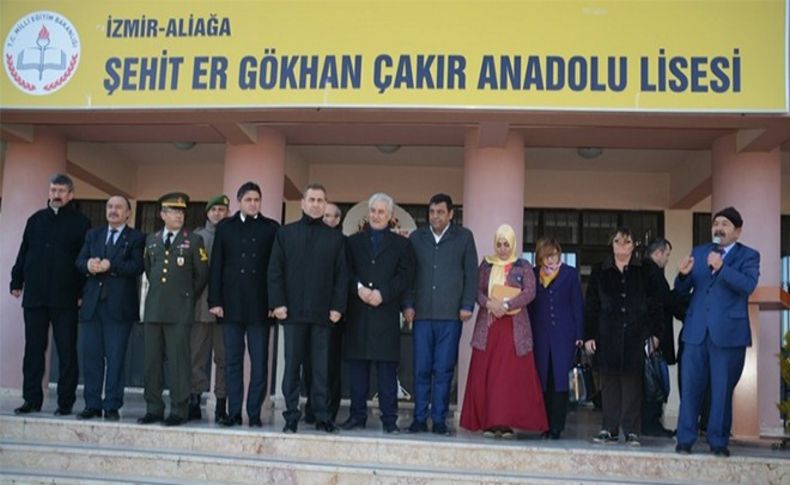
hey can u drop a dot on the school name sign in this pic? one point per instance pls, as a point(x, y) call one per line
point(691, 56)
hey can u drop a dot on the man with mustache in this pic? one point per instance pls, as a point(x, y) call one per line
point(719, 276)
point(45, 277)
point(112, 261)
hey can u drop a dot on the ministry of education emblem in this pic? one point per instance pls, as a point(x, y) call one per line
point(41, 53)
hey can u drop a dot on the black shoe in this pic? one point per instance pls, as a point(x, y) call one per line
point(89, 414)
point(554, 435)
point(661, 432)
point(327, 426)
point(683, 449)
point(27, 408)
point(417, 427)
point(230, 421)
point(309, 418)
point(290, 427)
point(149, 418)
point(606, 438)
point(352, 423)
point(723, 452)
point(174, 420)
point(221, 411)
point(256, 423)
point(62, 411)
point(391, 428)
point(441, 428)
point(194, 408)
point(112, 415)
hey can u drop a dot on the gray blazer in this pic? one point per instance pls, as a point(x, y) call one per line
point(446, 279)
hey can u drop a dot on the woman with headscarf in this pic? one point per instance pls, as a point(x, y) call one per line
point(557, 317)
point(503, 391)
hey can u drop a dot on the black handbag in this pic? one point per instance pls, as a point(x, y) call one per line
point(656, 379)
point(581, 385)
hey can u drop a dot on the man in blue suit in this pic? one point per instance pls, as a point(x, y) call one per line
point(719, 276)
point(112, 260)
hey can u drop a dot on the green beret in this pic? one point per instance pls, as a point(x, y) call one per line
point(218, 200)
point(174, 200)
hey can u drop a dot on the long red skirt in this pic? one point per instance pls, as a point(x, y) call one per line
point(503, 389)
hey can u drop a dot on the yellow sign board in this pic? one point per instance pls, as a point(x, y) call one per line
point(607, 55)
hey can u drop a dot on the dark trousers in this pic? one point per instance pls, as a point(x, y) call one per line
point(359, 381)
point(171, 340)
point(103, 343)
point(556, 403)
point(708, 365)
point(302, 339)
point(335, 366)
point(621, 396)
point(435, 355)
point(258, 348)
point(64, 332)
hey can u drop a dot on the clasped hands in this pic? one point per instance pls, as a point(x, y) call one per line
point(98, 265)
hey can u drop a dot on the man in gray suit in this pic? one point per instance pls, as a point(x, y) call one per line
point(442, 298)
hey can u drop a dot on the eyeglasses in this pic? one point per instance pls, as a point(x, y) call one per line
point(503, 245)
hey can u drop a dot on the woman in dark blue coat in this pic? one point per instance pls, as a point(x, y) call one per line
point(557, 316)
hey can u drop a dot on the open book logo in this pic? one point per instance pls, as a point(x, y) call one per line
point(41, 52)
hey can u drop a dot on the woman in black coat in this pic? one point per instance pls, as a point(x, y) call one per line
point(621, 312)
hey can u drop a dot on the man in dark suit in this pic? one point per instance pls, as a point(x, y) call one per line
point(720, 276)
point(308, 282)
point(112, 261)
point(238, 297)
point(176, 265)
point(443, 296)
point(52, 286)
point(381, 266)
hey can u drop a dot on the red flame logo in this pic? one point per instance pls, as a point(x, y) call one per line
point(43, 34)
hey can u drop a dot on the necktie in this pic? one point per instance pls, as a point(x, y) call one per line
point(169, 240)
point(110, 241)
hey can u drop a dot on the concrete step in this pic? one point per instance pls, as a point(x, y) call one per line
point(208, 453)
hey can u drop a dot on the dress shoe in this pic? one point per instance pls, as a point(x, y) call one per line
point(442, 429)
point(62, 411)
point(89, 414)
point(554, 435)
point(174, 420)
point(391, 428)
point(417, 427)
point(149, 418)
point(256, 423)
point(722, 451)
point(112, 415)
point(309, 418)
point(221, 410)
point(660, 432)
point(327, 426)
point(194, 408)
point(27, 408)
point(230, 421)
point(352, 423)
point(683, 449)
point(290, 427)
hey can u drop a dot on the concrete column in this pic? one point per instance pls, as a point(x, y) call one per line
point(264, 164)
point(493, 195)
point(751, 182)
point(28, 167)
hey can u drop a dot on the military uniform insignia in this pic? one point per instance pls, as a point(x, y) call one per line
point(180, 261)
point(203, 254)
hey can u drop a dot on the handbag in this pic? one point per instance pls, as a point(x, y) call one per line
point(656, 376)
point(581, 386)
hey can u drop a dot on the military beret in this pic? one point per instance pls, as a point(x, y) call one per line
point(174, 200)
point(733, 215)
point(218, 200)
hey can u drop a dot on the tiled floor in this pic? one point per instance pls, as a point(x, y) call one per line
point(582, 424)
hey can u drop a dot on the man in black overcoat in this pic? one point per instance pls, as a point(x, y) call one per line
point(45, 277)
point(308, 284)
point(381, 265)
point(238, 297)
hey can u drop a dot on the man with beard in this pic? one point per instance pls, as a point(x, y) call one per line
point(308, 281)
point(719, 276)
point(50, 285)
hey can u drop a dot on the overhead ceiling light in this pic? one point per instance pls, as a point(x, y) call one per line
point(388, 148)
point(185, 145)
point(589, 152)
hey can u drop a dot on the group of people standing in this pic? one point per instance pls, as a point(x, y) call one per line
point(218, 290)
